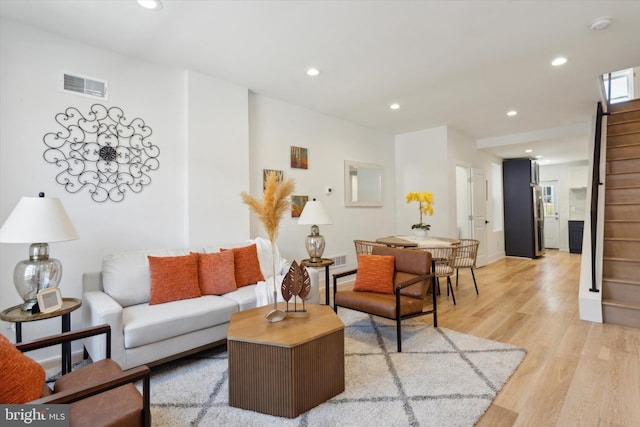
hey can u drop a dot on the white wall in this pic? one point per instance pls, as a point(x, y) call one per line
point(218, 152)
point(426, 161)
point(421, 159)
point(275, 127)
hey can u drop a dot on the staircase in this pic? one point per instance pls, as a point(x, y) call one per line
point(621, 251)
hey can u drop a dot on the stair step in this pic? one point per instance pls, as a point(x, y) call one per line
point(618, 248)
point(623, 166)
point(620, 290)
point(621, 107)
point(627, 151)
point(615, 228)
point(620, 268)
point(623, 179)
point(620, 212)
point(624, 128)
point(616, 140)
point(621, 313)
point(622, 194)
point(623, 117)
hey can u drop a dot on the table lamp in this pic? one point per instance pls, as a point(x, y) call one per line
point(314, 214)
point(37, 220)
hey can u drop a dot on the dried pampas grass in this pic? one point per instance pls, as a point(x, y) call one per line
point(274, 204)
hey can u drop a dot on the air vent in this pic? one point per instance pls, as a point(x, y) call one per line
point(338, 260)
point(86, 86)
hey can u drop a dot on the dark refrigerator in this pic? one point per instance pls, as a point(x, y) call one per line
point(523, 209)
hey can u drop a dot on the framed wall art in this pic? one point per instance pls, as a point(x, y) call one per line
point(299, 159)
point(265, 174)
point(297, 204)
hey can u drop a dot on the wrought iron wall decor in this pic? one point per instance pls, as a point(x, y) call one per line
point(102, 151)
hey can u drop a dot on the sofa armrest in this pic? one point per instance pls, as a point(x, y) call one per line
point(92, 282)
point(100, 308)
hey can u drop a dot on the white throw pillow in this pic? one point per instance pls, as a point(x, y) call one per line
point(126, 277)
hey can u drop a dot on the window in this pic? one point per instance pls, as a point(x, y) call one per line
point(549, 200)
point(621, 85)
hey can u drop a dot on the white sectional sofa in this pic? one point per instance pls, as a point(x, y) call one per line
point(149, 334)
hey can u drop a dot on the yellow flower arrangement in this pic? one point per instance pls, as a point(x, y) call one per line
point(425, 205)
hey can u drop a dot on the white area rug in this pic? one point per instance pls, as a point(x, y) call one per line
point(441, 378)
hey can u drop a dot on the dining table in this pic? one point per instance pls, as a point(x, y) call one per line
point(408, 241)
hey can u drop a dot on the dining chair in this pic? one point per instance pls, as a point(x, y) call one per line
point(366, 246)
point(443, 258)
point(466, 257)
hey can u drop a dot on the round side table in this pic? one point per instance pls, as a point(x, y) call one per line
point(17, 315)
point(325, 262)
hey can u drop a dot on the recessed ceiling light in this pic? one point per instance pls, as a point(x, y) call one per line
point(539, 156)
point(150, 4)
point(313, 72)
point(528, 150)
point(512, 113)
point(394, 106)
point(600, 23)
point(561, 60)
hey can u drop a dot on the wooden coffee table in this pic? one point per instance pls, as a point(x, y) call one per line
point(285, 368)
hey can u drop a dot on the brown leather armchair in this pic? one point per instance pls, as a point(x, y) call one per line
point(100, 393)
point(412, 278)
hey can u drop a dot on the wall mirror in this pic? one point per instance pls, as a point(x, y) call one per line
point(362, 184)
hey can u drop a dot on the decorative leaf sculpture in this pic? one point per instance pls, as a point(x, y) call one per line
point(305, 283)
point(297, 285)
point(288, 283)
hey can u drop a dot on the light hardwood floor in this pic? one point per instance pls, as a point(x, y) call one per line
point(575, 373)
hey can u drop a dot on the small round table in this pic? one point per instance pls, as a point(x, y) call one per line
point(17, 315)
point(324, 262)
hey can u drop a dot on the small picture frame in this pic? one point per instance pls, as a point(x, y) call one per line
point(49, 300)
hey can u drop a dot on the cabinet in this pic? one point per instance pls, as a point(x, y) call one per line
point(578, 176)
point(575, 236)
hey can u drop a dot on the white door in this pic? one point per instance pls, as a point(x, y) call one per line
point(479, 213)
point(463, 202)
point(551, 221)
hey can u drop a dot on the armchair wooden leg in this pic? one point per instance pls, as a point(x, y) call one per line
point(398, 322)
point(146, 400)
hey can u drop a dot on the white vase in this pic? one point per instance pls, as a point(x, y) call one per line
point(420, 233)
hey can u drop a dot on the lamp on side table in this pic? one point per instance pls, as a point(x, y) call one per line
point(40, 220)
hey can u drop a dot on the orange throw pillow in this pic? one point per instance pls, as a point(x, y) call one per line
point(216, 273)
point(246, 265)
point(375, 274)
point(22, 377)
point(173, 278)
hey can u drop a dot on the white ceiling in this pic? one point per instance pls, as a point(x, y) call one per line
point(456, 63)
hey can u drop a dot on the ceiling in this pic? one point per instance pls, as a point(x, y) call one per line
point(458, 63)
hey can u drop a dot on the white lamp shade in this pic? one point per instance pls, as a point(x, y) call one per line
point(314, 214)
point(38, 220)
